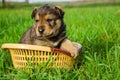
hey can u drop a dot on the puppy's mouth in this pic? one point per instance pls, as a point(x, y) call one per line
point(44, 34)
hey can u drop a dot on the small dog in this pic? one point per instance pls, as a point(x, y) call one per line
point(49, 30)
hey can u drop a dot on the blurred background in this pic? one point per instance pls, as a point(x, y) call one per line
point(12, 3)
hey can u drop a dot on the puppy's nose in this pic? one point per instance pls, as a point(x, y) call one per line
point(41, 31)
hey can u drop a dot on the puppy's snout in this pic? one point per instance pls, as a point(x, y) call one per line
point(41, 30)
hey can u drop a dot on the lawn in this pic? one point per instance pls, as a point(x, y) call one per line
point(96, 28)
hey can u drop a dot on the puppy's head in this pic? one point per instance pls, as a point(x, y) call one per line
point(48, 20)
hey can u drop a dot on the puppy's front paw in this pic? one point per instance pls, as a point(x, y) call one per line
point(72, 47)
point(77, 49)
point(74, 53)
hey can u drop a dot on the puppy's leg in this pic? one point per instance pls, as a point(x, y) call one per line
point(77, 46)
point(71, 47)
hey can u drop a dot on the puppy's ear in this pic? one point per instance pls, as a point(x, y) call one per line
point(59, 11)
point(34, 12)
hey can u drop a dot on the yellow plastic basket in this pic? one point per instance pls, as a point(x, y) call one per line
point(22, 54)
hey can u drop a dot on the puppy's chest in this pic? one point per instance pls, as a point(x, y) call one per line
point(45, 43)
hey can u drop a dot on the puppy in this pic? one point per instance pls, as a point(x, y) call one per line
point(49, 30)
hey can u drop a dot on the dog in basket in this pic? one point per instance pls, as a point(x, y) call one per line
point(49, 30)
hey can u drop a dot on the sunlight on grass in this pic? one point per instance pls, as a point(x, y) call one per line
point(96, 28)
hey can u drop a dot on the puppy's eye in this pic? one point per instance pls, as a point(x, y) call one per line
point(49, 20)
point(36, 20)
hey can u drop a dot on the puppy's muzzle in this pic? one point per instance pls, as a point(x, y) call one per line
point(41, 30)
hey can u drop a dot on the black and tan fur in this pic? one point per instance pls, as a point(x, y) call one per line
point(49, 29)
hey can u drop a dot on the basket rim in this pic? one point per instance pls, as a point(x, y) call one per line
point(24, 46)
point(8, 46)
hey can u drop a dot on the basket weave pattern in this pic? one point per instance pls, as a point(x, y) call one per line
point(21, 56)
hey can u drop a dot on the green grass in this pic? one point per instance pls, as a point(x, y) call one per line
point(96, 28)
